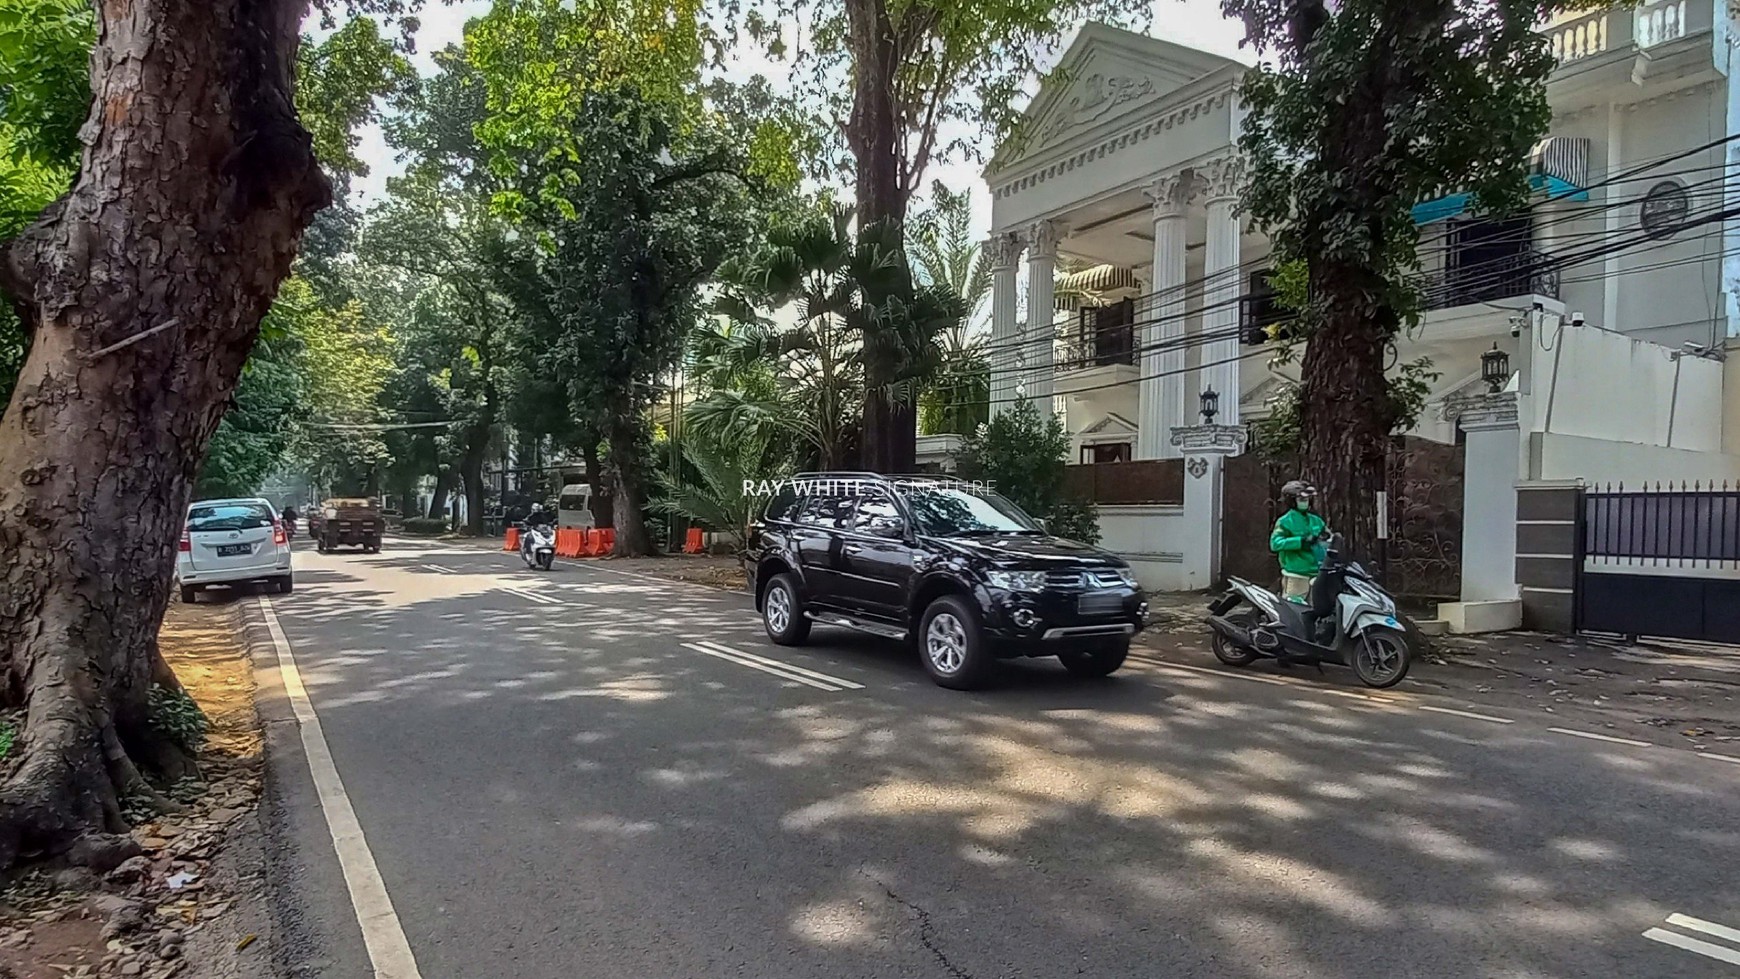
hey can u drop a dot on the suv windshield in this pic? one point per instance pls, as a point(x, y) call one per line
point(229, 516)
point(947, 511)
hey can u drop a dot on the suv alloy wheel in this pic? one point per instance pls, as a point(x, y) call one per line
point(952, 646)
point(782, 612)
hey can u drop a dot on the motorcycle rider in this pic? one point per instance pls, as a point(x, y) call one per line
point(1297, 541)
point(541, 516)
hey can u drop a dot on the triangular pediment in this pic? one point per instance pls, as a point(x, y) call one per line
point(1112, 424)
point(1106, 73)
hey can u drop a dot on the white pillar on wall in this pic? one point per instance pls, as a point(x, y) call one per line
point(1488, 495)
point(1003, 252)
point(1041, 332)
point(1205, 449)
point(1160, 396)
point(1221, 306)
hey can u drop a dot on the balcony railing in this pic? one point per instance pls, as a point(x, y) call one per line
point(1106, 349)
point(1617, 28)
point(1527, 272)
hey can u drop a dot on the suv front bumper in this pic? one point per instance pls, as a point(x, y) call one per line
point(1048, 622)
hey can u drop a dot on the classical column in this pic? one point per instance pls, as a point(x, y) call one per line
point(1160, 395)
point(1041, 332)
point(1205, 448)
point(1003, 252)
point(1224, 180)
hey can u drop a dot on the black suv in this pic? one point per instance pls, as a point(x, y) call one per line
point(961, 568)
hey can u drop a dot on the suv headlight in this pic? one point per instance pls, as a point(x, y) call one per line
point(1016, 580)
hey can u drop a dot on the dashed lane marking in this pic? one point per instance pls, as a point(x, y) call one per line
point(532, 596)
point(1721, 953)
point(383, 937)
point(731, 656)
point(1592, 736)
point(438, 569)
point(1466, 713)
point(1727, 758)
point(781, 664)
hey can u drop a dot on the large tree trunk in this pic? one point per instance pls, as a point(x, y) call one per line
point(1344, 417)
point(144, 287)
point(603, 491)
point(471, 478)
point(890, 431)
point(629, 505)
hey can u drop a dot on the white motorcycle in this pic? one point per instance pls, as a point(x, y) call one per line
point(1350, 621)
point(537, 546)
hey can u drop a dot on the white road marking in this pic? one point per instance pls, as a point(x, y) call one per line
point(438, 569)
point(1727, 758)
point(1599, 737)
point(781, 664)
point(744, 661)
point(532, 596)
point(383, 937)
point(1707, 927)
point(1720, 953)
point(1466, 713)
point(1164, 664)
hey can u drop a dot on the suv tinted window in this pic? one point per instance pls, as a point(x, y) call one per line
point(783, 506)
point(878, 507)
point(830, 512)
point(229, 516)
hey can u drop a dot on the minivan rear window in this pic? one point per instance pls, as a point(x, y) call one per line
point(229, 516)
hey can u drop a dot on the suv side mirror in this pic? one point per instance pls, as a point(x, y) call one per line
point(1043, 525)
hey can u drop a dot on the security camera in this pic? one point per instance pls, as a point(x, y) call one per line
point(1576, 319)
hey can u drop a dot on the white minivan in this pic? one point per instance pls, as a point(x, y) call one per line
point(574, 507)
point(232, 542)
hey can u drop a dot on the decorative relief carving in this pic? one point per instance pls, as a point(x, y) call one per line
point(1224, 178)
point(1097, 95)
point(1172, 194)
point(1003, 251)
point(1042, 238)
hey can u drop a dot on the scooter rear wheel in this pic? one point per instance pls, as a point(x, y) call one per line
point(1382, 659)
point(1226, 650)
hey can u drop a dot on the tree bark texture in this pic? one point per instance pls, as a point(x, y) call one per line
point(873, 133)
point(144, 288)
point(438, 499)
point(603, 491)
point(629, 506)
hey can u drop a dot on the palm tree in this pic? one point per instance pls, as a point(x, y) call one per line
point(944, 255)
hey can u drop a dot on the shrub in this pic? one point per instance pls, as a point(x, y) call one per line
point(425, 526)
point(175, 715)
point(1023, 456)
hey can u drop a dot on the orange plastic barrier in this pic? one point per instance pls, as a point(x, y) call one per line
point(512, 542)
point(573, 542)
point(695, 543)
point(608, 542)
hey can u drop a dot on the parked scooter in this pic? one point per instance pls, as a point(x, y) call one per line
point(1349, 620)
point(538, 545)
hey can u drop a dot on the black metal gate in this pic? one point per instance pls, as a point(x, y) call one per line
point(1660, 562)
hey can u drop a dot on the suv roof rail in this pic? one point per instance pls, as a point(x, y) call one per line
point(839, 474)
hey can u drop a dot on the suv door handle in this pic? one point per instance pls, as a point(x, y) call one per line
point(852, 548)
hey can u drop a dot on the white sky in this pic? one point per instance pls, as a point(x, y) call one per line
point(1196, 23)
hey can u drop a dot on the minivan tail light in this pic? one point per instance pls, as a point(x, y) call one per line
point(186, 545)
point(278, 535)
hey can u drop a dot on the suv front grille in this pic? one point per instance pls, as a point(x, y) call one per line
point(1063, 579)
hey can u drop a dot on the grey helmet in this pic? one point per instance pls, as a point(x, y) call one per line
point(1297, 488)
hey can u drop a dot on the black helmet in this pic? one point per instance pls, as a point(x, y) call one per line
point(1297, 488)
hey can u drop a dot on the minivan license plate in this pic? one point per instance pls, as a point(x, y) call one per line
point(234, 550)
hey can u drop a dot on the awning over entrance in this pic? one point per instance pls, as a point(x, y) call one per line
point(1088, 284)
point(1560, 166)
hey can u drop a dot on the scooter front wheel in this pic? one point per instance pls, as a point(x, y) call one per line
point(1382, 659)
point(1231, 653)
point(545, 559)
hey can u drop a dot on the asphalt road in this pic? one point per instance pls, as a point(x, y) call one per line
point(558, 775)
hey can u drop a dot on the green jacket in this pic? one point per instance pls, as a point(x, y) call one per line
point(1288, 542)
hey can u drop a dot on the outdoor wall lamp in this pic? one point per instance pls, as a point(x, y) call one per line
point(1210, 405)
point(1495, 368)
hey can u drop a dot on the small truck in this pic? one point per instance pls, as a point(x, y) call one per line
point(346, 523)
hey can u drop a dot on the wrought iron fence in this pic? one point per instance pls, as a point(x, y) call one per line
point(1104, 348)
point(1692, 526)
